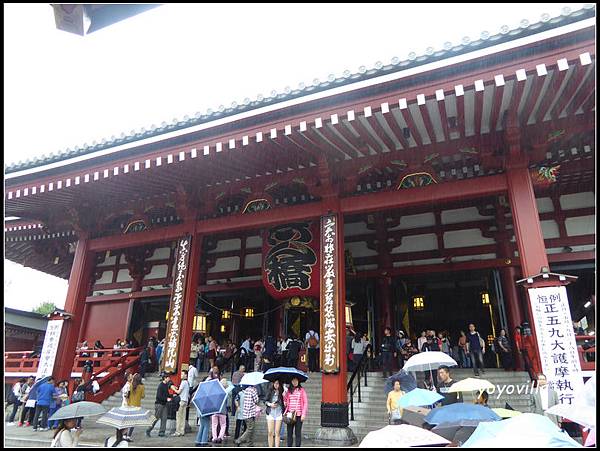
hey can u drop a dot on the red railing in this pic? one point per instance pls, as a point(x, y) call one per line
point(20, 362)
point(108, 368)
point(115, 379)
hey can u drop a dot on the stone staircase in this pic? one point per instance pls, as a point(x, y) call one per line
point(369, 415)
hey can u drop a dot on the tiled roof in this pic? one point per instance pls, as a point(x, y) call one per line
point(396, 65)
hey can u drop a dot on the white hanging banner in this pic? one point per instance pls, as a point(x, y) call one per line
point(556, 341)
point(49, 349)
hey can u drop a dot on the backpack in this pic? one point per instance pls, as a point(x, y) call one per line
point(79, 395)
point(12, 398)
point(312, 341)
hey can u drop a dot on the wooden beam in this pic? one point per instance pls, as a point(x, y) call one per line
point(380, 132)
point(432, 194)
point(573, 85)
point(410, 123)
point(213, 288)
point(534, 93)
point(478, 110)
point(441, 106)
point(427, 121)
point(495, 107)
point(393, 124)
point(461, 122)
point(550, 95)
point(583, 94)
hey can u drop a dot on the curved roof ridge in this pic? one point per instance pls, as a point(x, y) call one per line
point(466, 45)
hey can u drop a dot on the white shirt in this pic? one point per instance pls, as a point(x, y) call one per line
point(544, 396)
point(192, 375)
point(284, 344)
point(309, 334)
point(246, 345)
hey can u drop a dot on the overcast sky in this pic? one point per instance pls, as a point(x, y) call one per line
point(63, 90)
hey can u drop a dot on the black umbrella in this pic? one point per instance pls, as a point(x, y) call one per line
point(285, 374)
point(407, 381)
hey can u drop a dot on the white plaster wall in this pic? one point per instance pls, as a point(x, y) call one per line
point(416, 221)
point(226, 264)
point(123, 276)
point(106, 277)
point(228, 245)
point(550, 229)
point(162, 253)
point(158, 272)
point(253, 261)
point(415, 243)
point(360, 249)
point(581, 225)
point(110, 261)
point(356, 228)
point(254, 241)
point(577, 200)
point(465, 238)
point(123, 260)
point(544, 205)
point(461, 215)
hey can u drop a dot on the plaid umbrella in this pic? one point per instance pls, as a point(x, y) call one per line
point(407, 381)
point(126, 417)
point(78, 410)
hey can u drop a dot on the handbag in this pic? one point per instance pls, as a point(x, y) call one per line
point(290, 418)
point(395, 415)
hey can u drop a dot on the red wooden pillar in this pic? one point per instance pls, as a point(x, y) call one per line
point(384, 300)
point(334, 397)
point(528, 231)
point(189, 304)
point(79, 285)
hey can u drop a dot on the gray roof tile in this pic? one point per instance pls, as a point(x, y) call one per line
point(347, 77)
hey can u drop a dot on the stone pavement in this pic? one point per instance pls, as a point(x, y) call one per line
point(94, 434)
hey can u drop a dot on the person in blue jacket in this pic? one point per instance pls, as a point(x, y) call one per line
point(45, 397)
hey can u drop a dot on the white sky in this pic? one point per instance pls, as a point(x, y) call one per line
point(63, 90)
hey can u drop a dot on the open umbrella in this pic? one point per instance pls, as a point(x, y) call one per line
point(578, 413)
point(401, 436)
point(407, 381)
point(470, 384)
point(456, 431)
point(209, 397)
point(591, 438)
point(126, 417)
point(460, 411)
point(506, 413)
point(528, 430)
point(285, 374)
point(419, 397)
point(428, 361)
point(414, 415)
point(77, 410)
point(425, 361)
point(254, 378)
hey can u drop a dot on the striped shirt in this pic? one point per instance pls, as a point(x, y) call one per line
point(296, 402)
point(250, 402)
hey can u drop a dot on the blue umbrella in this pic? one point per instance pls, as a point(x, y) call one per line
point(407, 381)
point(419, 397)
point(461, 411)
point(528, 430)
point(209, 397)
point(285, 374)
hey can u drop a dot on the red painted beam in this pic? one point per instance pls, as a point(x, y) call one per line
point(230, 286)
point(127, 296)
point(551, 91)
point(426, 269)
point(432, 194)
point(572, 257)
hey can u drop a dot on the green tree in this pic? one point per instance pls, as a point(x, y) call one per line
point(45, 308)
